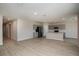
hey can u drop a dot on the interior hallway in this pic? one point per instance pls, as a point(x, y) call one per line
point(38, 47)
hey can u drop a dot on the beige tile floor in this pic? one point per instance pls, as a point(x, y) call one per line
point(38, 47)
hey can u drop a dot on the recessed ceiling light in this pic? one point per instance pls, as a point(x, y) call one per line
point(35, 13)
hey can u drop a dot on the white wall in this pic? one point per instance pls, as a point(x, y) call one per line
point(24, 29)
point(1, 33)
point(14, 30)
point(45, 29)
point(71, 30)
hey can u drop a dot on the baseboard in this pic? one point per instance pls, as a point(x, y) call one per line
point(25, 39)
point(70, 38)
point(55, 39)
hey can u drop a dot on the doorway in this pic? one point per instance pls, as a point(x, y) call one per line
point(38, 31)
point(7, 30)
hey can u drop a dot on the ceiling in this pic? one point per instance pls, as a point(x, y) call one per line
point(43, 12)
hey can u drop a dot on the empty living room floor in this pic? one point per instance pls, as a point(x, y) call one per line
point(38, 47)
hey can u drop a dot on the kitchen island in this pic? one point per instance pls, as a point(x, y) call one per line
point(55, 35)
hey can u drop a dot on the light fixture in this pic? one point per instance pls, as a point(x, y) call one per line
point(35, 13)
